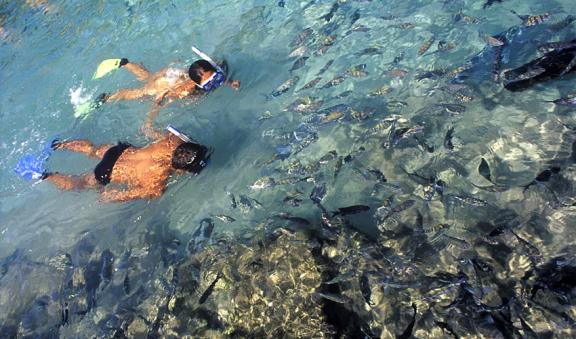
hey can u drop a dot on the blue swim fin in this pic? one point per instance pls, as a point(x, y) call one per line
point(32, 166)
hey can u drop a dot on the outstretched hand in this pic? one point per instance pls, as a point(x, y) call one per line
point(235, 84)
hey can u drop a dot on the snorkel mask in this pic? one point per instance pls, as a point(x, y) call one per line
point(217, 79)
point(199, 165)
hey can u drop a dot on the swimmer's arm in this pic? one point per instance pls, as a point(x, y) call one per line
point(115, 195)
point(148, 128)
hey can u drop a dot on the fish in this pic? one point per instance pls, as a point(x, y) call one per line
point(107, 266)
point(331, 117)
point(328, 157)
point(357, 28)
point(379, 91)
point(201, 236)
point(426, 45)
point(532, 20)
point(554, 46)
point(325, 67)
point(292, 201)
point(369, 51)
point(285, 86)
point(281, 3)
point(302, 37)
point(311, 83)
point(357, 72)
point(299, 64)
point(444, 45)
point(569, 100)
point(465, 200)
point(297, 220)
point(456, 71)
point(337, 80)
point(298, 51)
point(233, 203)
point(338, 166)
point(364, 284)
point(448, 139)
point(492, 40)
point(461, 97)
point(489, 3)
point(404, 25)
point(332, 297)
point(466, 18)
point(388, 17)
point(328, 16)
point(408, 331)
point(263, 183)
point(355, 16)
point(224, 218)
point(560, 25)
point(425, 146)
point(433, 74)
point(305, 105)
point(396, 73)
point(318, 193)
point(209, 290)
point(354, 209)
point(359, 67)
point(484, 170)
point(543, 176)
point(245, 203)
point(405, 133)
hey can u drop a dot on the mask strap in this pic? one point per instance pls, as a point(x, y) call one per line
point(207, 58)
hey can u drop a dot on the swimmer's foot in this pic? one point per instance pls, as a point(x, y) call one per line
point(82, 111)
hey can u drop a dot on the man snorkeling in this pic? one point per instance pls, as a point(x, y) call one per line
point(124, 172)
point(166, 85)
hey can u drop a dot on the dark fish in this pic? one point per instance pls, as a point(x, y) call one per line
point(201, 236)
point(232, 199)
point(408, 331)
point(332, 297)
point(338, 166)
point(65, 314)
point(299, 63)
point(330, 14)
point(318, 193)
point(425, 146)
point(296, 220)
point(446, 327)
point(369, 51)
point(285, 86)
point(209, 290)
point(107, 263)
point(281, 3)
point(406, 132)
point(365, 288)
point(543, 176)
point(489, 3)
point(553, 46)
point(337, 80)
point(355, 17)
point(484, 170)
point(560, 25)
point(426, 45)
point(404, 25)
point(448, 139)
point(302, 37)
point(126, 284)
point(354, 209)
point(437, 73)
point(292, 201)
point(325, 67)
point(444, 45)
point(311, 83)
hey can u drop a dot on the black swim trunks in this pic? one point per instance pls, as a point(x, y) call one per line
point(104, 168)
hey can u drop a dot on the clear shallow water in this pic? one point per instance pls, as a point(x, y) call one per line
point(54, 241)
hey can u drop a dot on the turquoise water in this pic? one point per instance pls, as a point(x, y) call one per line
point(55, 244)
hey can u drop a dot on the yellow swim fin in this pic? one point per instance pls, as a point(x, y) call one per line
point(108, 66)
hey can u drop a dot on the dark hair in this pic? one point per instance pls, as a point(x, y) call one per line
point(189, 157)
point(197, 68)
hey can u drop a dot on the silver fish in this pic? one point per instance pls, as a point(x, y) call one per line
point(311, 83)
point(299, 63)
point(224, 218)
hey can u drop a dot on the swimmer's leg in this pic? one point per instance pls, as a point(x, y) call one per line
point(84, 146)
point(139, 71)
point(127, 94)
point(71, 182)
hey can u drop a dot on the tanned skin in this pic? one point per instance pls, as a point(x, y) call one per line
point(162, 86)
point(139, 173)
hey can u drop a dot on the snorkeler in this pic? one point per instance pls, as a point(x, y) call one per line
point(124, 172)
point(167, 84)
